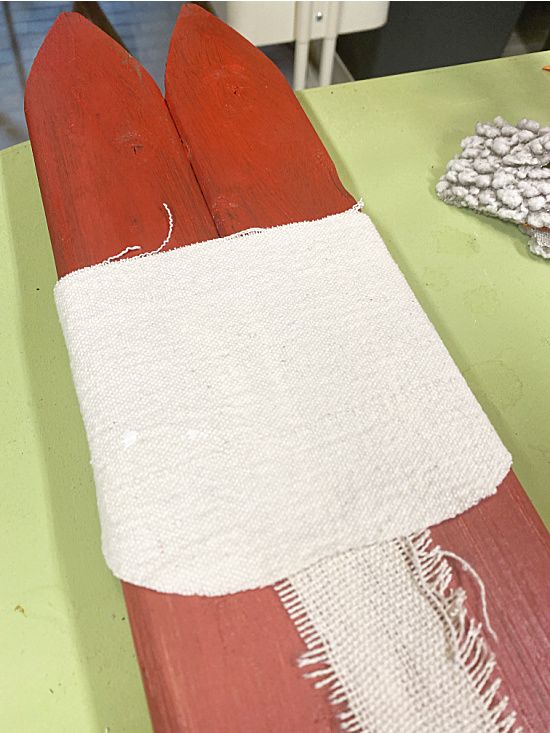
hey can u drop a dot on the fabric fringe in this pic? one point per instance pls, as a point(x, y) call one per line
point(358, 206)
point(467, 644)
point(317, 656)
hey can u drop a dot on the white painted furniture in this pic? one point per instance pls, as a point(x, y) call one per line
point(267, 23)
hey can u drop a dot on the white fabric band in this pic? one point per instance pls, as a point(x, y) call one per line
point(389, 637)
point(258, 402)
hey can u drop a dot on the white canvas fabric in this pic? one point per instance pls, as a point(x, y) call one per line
point(389, 638)
point(254, 404)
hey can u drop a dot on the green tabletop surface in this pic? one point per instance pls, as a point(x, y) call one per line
point(68, 664)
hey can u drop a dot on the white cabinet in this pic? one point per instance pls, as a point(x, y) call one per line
point(267, 23)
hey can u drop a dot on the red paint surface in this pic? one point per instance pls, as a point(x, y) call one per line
point(108, 154)
point(505, 541)
point(106, 150)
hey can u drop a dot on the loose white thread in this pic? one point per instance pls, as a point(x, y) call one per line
point(121, 254)
point(433, 580)
point(434, 575)
point(245, 232)
point(134, 247)
point(170, 230)
point(468, 568)
point(469, 650)
point(358, 206)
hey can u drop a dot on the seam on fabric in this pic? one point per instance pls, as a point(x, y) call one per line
point(117, 261)
point(466, 641)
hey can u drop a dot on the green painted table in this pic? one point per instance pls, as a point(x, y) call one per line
point(67, 658)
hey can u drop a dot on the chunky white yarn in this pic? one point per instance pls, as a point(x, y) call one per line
point(256, 403)
point(501, 172)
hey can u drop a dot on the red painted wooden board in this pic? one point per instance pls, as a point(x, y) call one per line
point(284, 174)
point(107, 156)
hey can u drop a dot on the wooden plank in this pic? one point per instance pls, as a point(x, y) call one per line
point(504, 539)
point(258, 159)
point(107, 156)
point(190, 648)
point(106, 151)
point(229, 103)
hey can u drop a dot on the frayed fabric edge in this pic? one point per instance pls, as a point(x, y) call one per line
point(120, 259)
point(464, 636)
point(317, 656)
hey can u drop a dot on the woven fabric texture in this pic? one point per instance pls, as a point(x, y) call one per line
point(256, 403)
point(389, 638)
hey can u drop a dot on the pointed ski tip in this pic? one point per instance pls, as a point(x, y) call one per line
point(193, 10)
point(64, 29)
point(192, 15)
point(75, 49)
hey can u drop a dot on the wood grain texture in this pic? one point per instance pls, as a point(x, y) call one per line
point(504, 539)
point(227, 85)
point(227, 664)
point(254, 151)
point(106, 150)
point(107, 156)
